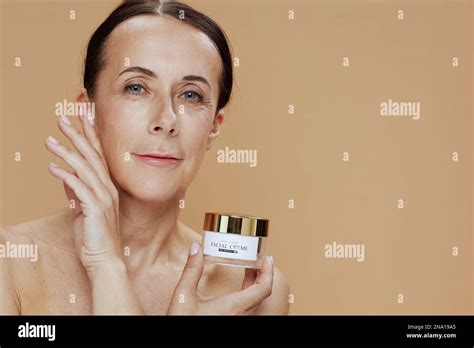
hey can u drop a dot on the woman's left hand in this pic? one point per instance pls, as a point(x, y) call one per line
point(256, 287)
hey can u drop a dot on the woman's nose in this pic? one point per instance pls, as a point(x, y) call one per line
point(164, 121)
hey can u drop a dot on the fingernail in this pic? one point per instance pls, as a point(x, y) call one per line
point(52, 164)
point(66, 120)
point(52, 140)
point(270, 259)
point(194, 249)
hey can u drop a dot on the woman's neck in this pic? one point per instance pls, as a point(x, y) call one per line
point(150, 232)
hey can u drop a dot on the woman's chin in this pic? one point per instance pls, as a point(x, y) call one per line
point(152, 189)
point(154, 195)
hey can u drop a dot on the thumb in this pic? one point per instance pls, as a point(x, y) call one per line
point(192, 271)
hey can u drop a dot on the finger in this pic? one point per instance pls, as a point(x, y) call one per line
point(80, 189)
point(89, 129)
point(84, 147)
point(244, 300)
point(81, 167)
point(192, 271)
point(87, 151)
point(249, 278)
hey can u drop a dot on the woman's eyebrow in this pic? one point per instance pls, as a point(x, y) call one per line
point(197, 78)
point(150, 73)
point(138, 69)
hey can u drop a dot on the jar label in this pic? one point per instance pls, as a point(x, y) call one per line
point(231, 246)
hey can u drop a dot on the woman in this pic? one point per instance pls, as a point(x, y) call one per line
point(159, 75)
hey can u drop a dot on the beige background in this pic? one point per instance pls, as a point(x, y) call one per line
point(299, 62)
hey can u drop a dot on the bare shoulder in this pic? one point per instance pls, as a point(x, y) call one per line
point(52, 229)
point(19, 253)
point(9, 298)
point(25, 246)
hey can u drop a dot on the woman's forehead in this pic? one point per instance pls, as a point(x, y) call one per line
point(160, 42)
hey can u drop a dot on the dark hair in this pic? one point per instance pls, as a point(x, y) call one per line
point(95, 59)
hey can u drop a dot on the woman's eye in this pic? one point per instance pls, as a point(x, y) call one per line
point(135, 88)
point(191, 94)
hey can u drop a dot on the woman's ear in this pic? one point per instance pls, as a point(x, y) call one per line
point(87, 107)
point(82, 96)
point(216, 128)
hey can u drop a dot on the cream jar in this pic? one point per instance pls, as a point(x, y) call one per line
point(234, 239)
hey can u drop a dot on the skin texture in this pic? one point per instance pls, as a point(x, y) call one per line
point(125, 203)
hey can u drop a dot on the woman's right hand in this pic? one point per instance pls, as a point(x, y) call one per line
point(96, 223)
point(96, 229)
point(256, 287)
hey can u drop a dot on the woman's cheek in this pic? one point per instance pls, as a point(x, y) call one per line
point(115, 151)
point(195, 139)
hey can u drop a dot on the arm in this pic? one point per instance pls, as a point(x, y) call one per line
point(112, 291)
point(96, 228)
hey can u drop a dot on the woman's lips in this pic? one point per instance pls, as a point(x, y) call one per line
point(157, 161)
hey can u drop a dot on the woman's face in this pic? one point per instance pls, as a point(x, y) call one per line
point(157, 92)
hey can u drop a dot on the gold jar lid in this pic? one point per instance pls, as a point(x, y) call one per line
point(245, 225)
